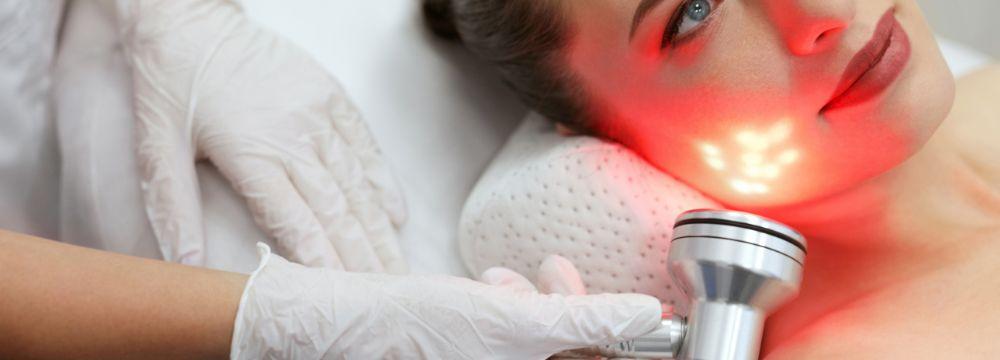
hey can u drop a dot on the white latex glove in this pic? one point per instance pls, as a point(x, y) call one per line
point(211, 85)
point(292, 312)
point(556, 275)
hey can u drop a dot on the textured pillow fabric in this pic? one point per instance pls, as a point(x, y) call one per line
point(593, 202)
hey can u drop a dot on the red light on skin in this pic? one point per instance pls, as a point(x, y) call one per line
point(757, 159)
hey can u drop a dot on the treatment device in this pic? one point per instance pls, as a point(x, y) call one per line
point(735, 268)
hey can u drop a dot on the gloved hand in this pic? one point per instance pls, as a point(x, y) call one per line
point(556, 275)
point(211, 85)
point(291, 312)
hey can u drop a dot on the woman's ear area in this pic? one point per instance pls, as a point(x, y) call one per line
point(564, 130)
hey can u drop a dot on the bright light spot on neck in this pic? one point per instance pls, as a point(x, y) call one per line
point(789, 157)
point(716, 163)
point(752, 141)
point(713, 156)
point(780, 132)
point(761, 141)
point(769, 172)
point(753, 158)
point(711, 150)
point(748, 187)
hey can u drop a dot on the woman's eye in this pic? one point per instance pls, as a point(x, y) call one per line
point(689, 17)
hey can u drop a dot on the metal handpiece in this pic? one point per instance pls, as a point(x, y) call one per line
point(735, 268)
point(662, 343)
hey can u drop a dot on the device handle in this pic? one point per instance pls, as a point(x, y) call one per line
point(662, 343)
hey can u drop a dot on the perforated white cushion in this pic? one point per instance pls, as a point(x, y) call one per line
point(593, 202)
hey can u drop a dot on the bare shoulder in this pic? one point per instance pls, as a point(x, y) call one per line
point(974, 122)
point(991, 71)
point(941, 314)
point(903, 329)
point(979, 92)
point(902, 345)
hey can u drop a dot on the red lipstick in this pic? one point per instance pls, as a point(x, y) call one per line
point(875, 67)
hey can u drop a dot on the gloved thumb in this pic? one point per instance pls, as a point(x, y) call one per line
point(170, 191)
point(557, 275)
point(165, 152)
point(168, 178)
point(501, 276)
point(596, 320)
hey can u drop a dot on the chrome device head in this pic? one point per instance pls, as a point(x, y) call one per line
point(735, 268)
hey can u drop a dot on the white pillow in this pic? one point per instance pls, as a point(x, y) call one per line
point(593, 202)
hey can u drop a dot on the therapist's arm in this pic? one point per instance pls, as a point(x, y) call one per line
point(60, 301)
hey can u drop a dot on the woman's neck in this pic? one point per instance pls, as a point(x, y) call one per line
point(934, 212)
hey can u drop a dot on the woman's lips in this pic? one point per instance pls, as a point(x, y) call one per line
point(875, 67)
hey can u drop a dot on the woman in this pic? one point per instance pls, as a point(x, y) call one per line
point(837, 117)
point(65, 302)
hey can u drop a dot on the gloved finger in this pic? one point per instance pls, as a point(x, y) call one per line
point(501, 276)
point(169, 182)
point(277, 207)
point(347, 120)
point(344, 166)
point(329, 204)
point(595, 320)
point(557, 275)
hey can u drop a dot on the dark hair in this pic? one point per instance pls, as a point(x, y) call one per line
point(526, 40)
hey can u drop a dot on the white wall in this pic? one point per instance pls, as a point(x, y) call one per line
point(972, 22)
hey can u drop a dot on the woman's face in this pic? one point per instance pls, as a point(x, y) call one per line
point(763, 103)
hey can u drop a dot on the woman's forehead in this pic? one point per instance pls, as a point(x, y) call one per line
point(599, 30)
point(600, 14)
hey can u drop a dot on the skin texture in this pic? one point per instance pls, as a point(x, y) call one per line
point(66, 302)
point(899, 196)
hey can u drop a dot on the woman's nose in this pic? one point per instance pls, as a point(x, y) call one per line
point(810, 27)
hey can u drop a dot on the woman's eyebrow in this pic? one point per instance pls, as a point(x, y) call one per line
point(640, 12)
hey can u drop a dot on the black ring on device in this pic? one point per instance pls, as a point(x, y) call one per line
point(745, 226)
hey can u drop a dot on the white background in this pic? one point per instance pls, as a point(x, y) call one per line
point(973, 22)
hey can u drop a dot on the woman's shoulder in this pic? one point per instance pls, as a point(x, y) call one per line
point(937, 315)
point(974, 122)
point(977, 100)
point(990, 71)
point(979, 91)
